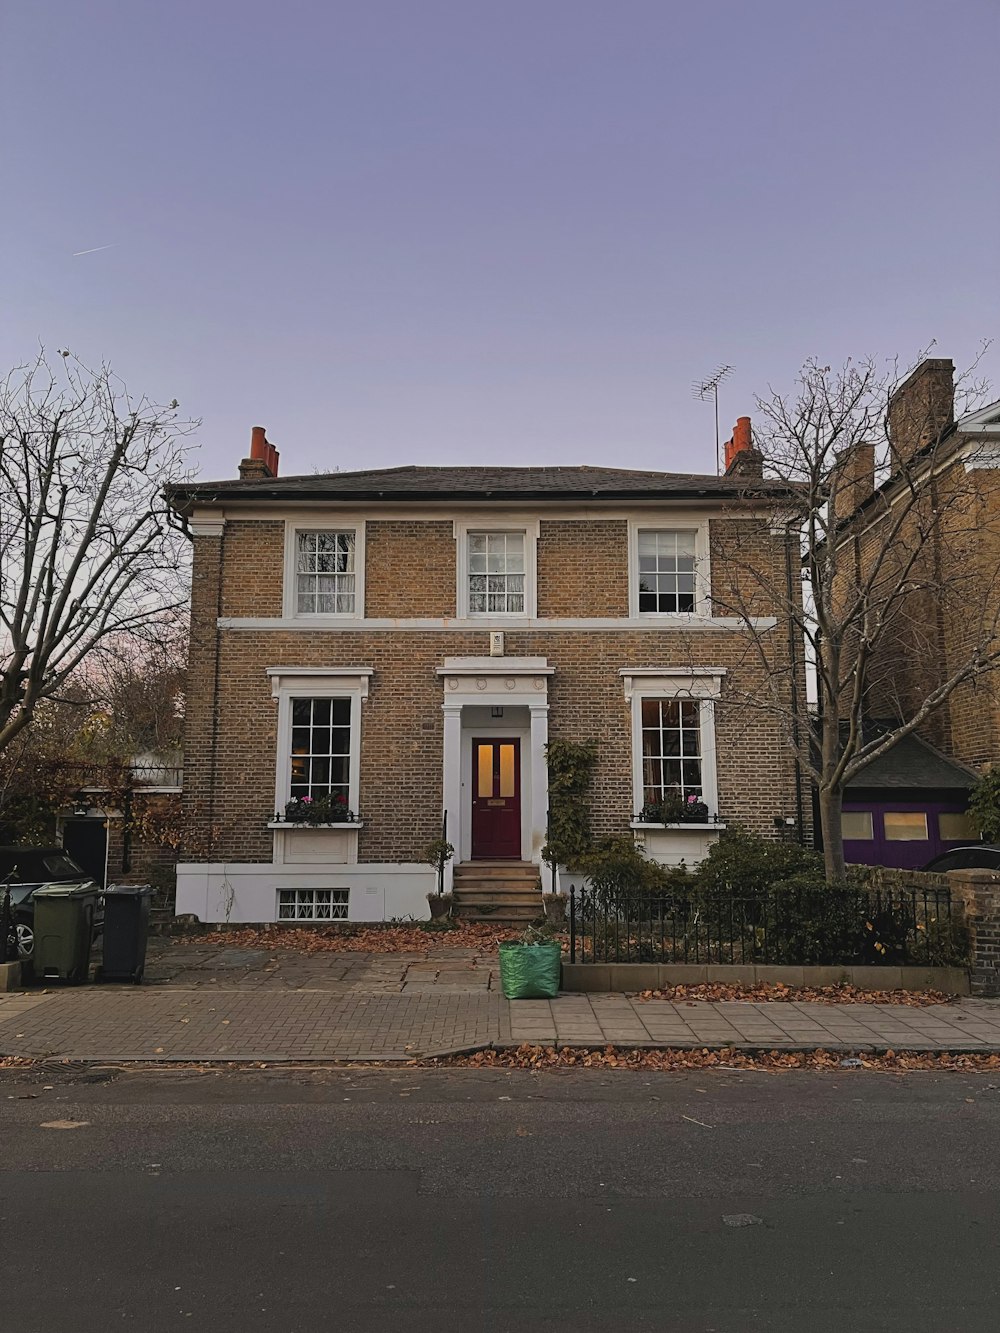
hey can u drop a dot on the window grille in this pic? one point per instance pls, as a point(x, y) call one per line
point(666, 572)
point(325, 573)
point(496, 573)
point(312, 904)
point(321, 747)
point(671, 749)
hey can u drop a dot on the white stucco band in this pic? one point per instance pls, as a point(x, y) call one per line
point(231, 893)
point(496, 682)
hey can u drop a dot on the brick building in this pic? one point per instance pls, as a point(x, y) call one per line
point(402, 644)
point(949, 549)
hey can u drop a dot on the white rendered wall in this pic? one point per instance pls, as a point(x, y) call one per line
point(249, 893)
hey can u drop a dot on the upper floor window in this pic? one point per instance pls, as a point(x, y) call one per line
point(666, 571)
point(496, 573)
point(325, 572)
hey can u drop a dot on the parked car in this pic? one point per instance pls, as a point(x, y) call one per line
point(977, 856)
point(27, 869)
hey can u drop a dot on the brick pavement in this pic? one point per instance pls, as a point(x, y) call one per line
point(237, 1004)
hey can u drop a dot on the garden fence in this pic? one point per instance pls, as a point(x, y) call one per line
point(789, 926)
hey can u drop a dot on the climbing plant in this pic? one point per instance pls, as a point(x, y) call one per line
point(571, 769)
point(984, 805)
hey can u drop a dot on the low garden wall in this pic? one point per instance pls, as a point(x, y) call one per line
point(975, 898)
point(653, 976)
point(900, 929)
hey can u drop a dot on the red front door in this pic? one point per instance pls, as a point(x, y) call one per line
point(496, 800)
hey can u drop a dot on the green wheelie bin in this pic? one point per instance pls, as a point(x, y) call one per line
point(64, 931)
point(126, 930)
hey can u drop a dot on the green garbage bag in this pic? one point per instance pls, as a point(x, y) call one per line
point(530, 971)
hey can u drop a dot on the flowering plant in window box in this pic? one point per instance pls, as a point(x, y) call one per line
point(332, 809)
point(675, 809)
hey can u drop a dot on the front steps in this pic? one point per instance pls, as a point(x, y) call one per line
point(507, 892)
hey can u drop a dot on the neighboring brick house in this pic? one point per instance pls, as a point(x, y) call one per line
point(953, 546)
point(408, 640)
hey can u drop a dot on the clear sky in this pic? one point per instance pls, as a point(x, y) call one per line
point(431, 231)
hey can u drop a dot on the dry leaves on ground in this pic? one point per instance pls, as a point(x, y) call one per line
point(360, 939)
point(612, 1057)
point(775, 993)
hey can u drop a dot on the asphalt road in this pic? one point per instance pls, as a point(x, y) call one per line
point(422, 1201)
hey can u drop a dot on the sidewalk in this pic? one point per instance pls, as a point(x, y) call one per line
point(212, 1004)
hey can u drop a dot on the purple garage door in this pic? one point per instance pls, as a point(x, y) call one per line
point(904, 834)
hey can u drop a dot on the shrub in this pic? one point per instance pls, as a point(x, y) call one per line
point(618, 871)
point(745, 864)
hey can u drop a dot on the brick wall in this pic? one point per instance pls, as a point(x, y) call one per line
point(255, 556)
point(583, 567)
point(402, 728)
point(231, 721)
point(409, 569)
point(950, 552)
point(151, 856)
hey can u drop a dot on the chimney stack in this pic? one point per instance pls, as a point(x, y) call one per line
point(262, 464)
point(855, 479)
point(922, 408)
point(742, 459)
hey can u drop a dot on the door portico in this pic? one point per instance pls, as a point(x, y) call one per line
point(494, 699)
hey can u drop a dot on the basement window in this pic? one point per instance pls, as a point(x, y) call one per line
point(313, 904)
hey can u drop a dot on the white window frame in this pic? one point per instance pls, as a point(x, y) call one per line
point(291, 601)
point(702, 564)
point(701, 683)
point(288, 683)
point(493, 524)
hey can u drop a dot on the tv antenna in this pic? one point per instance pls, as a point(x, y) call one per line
point(706, 389)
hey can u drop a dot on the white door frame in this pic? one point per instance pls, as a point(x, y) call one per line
point(495, 682)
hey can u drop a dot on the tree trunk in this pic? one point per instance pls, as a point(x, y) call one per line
point(832, 825)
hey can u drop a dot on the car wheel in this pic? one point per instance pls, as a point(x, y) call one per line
point(25, 932)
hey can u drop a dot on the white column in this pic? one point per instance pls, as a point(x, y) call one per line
point(539, 778)
point(452, 785)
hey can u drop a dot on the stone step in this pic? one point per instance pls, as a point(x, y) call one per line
point(518, 870)
point(502, 915)
point(511, 897)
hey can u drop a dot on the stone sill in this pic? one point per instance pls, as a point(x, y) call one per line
point(298, 824)
point(688, 824)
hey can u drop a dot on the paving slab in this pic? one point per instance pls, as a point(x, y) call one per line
point(207, 1003)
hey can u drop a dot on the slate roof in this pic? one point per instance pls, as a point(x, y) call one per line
point(481, 483)
point(914, 764)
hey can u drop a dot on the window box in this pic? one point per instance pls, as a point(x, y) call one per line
point(688, 824)
point(291, 824)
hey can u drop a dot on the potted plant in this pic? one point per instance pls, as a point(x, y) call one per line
point(331, 809)
point(530, 967)
point(554, 906)
point(437, 854)
point(675, 809)
point(695, 811)
point(296, 810)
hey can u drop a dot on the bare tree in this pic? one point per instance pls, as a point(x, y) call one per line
point(890, 576)
point(89, 554)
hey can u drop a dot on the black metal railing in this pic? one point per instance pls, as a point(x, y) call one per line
point(789, 926)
